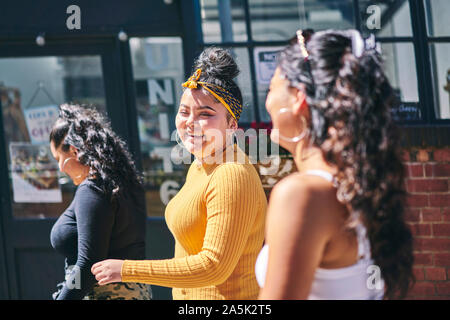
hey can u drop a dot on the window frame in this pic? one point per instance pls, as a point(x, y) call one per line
point(423, 61)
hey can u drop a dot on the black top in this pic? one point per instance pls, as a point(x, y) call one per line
point(94, 228)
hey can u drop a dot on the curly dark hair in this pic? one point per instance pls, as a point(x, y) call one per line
point(352, 95)
point(99, 148)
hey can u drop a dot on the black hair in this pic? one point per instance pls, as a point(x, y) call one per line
point(353, 95)
point(99, 148)
point(219, 67)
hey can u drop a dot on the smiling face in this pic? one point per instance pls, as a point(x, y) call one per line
point(202, 123)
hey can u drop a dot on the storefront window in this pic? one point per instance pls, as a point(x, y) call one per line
point(400, 69)
point(274, 20)
point(228, 26)
point(437, 12)
point(244, 82)
point(441, 75)
point(385, 19)
point(399, 57)
point(31, 90)
point(265, 64)
point(158, 75)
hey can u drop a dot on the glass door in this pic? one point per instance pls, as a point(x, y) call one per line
point(31, 89)
point(158, 72)
point(34, 81)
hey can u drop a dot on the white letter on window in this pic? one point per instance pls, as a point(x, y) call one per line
point(74, 20)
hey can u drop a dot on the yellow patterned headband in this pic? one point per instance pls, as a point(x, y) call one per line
point(233, 105)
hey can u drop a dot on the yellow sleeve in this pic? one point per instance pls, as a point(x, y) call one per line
point(231, 203)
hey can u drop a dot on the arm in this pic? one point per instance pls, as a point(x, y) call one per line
point(94, 225)
point(298, 228)
point(232, 205)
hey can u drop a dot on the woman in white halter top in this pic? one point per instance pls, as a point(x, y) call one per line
point(348, 187)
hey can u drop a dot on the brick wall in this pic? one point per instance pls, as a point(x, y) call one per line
point(428, 215)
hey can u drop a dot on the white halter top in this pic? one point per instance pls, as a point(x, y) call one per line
point(360, 281)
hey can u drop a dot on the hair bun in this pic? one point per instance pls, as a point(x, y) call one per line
point(217, 64)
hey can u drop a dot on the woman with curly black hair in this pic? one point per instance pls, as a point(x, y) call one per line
point(335, 229)
point(106, 218)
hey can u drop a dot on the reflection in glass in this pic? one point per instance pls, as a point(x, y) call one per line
point(265, 65)
point(228, 26)
point(399, 67)
point(244, 82)
point(441, 75)
point(385, 18)
point(274, 20)
point(437, 12)
point(31, 90)
point(158, 74)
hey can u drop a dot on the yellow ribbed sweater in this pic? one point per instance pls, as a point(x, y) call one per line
point(217, 220)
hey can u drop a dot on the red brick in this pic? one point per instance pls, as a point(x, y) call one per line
point(441, 170)
point(419, 274)
point(425, 259)
point(441, 259)
point(417, 200)
point(419, 229)
point(415, 170)
point(421, 288)
point(435, 274)
point(446, 214)
point(412, 215)
point(439, 200)
point(428, 170)
point(441, 229)
point(427, 185)
point(434, 245)
point(433, 214)
point(442, 155)
point(407, 185)
point(443, 287)
point(428, 298)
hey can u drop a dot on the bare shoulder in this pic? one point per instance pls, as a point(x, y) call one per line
point(303, 187)
point(305, 196)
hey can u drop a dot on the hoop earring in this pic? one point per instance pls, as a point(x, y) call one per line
point(298, 138)
point(65, 162)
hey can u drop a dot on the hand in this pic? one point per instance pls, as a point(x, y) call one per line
point(107, 271)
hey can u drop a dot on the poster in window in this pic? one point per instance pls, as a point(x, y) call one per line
point(265, 63)
point(40, 121)
point(34, 174)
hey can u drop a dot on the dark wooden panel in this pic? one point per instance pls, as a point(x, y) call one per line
point(38, 272)
point(159, 245)
point(426, 136)
point(25, 18)
point(32, 233)
point(39, 268)
point(4, 292)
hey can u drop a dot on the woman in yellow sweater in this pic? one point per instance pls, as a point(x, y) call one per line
point(217, 218)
